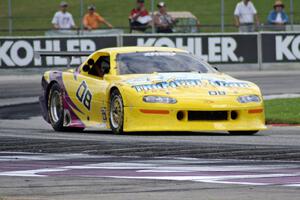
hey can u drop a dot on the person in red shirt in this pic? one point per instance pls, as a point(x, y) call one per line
point(139, 17)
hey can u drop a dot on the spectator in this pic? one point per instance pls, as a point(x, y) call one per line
point(164, 22)
point(278, 16)
point(63, 19)
point(139, 17)
point(92, 20)
point(246, 16)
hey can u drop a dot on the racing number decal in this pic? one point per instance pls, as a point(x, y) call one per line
point(84, 95)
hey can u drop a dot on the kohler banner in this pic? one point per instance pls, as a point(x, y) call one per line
point(223, 49)
point(19, 52)
point(281, 47)
point(215, 48)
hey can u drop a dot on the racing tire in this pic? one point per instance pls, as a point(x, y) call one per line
point(116, 112)
point(56, 110)
point(243, 132)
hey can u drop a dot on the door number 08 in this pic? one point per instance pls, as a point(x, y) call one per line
point(84, 95)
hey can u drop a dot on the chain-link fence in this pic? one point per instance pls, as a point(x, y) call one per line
point(33, 17)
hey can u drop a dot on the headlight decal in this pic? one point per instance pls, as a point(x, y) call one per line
point(159, 99)
point(249, 99)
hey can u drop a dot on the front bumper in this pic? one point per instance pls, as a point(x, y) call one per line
point(156, 119)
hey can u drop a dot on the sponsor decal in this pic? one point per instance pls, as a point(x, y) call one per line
point(166, 81)
point(229, 83)
point(150, 54)
point(166, 84)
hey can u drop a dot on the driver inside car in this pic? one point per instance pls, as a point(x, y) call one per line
point(99, 67)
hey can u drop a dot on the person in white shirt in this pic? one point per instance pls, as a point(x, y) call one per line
point(63, 19)
point(246, 16)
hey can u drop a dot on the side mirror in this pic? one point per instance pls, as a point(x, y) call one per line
point(91, 62)
point(106, 69)
point(86, 68)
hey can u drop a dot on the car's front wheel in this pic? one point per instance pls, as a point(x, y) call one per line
point(116, 115)
point(243, 132)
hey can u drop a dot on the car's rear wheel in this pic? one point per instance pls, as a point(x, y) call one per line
point(243, 132)
point(116, 113)
point(56, 110)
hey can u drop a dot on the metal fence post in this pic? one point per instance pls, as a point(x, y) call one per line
point(222, 16)
point(152, 11)
point(259, 51)
point(292, 14)
point(81, 14)
point(10, 22)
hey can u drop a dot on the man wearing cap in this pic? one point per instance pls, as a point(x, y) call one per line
point(139, 17)
point(246, 16)
point(92, 20)
point(278, 16)
point(63, 19)
point(164, 22)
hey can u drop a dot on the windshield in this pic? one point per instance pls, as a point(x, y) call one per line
point(150, 62)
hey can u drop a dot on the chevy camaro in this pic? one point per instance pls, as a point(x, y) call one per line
point(136, 89)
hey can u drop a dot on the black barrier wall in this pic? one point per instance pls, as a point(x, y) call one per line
point(228, 48)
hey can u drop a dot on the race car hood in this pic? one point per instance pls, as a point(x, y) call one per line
point(187, 84)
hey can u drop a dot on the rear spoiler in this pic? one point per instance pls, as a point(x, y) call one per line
point(67, 54)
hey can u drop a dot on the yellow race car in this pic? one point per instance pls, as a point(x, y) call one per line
point(133, 89)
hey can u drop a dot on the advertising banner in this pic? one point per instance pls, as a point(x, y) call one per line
point(280, 47)
point(221, 49)
point(231, 48)
point(19, 52)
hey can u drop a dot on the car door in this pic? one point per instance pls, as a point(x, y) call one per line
point(88, 92)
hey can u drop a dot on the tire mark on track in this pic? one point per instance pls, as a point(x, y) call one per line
point(20, 111)
point(152, 149)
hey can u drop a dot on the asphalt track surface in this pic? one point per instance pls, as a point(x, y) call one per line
point(37, 163)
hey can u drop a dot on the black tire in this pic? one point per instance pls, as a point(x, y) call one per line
point(243, 132)
point(56, 113)
point(116, 112)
